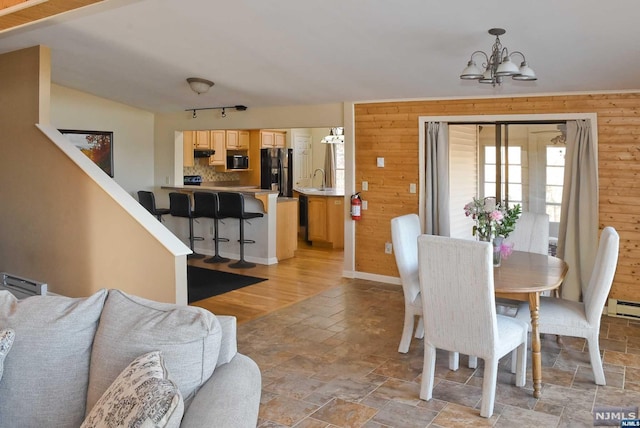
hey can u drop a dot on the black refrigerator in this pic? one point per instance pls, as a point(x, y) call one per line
point(276, 170)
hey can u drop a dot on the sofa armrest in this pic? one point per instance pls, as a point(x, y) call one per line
point(229, 343)
point(229, 399)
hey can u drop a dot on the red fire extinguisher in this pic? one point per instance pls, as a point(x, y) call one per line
point(356, 207)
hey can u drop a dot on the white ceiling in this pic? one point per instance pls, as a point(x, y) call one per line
point(264, 53)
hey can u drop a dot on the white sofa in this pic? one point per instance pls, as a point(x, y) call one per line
point(68, 351)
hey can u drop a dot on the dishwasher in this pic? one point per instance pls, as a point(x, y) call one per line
point(303, 210)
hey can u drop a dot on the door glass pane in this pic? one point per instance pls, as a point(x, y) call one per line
point(515, 194)
point(490, 155)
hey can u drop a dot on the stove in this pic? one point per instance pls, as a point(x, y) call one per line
point(192, 180)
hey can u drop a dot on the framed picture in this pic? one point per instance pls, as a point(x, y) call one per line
point(97, 145)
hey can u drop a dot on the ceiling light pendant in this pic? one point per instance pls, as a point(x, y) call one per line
point(336, 136)
point(198, 85)
point(497, 65)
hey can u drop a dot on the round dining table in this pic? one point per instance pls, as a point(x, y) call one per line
point(523, 276)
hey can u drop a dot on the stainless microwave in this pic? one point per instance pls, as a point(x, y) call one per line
point(237, 162)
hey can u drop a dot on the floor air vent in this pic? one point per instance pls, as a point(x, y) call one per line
point(624, 308)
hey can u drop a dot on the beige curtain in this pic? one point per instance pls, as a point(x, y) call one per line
point(578, 233)
point(437, 179)
point(330, 165)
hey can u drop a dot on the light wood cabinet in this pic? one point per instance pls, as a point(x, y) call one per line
point(237, 140)
point(325, 220)
point(317, 218)
point(243, 140)
point(279, 139)
point(187, 148)
point(267, 139)
point(217, 140)
point(286, 236)
point(202, 140)
point(270, 139)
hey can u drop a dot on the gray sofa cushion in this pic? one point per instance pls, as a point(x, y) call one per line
point(47, 371)
point(189, 338)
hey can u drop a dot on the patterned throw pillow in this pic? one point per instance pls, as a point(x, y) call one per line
point(6, 341)
point(141, 396)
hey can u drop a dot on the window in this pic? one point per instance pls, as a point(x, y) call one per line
point(554, 181)
point(339, 148)
point(512, 190)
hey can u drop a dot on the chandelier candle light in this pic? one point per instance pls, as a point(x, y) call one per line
point(498, 64)
point(494, 222)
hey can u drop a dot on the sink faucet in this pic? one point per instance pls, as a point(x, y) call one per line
point(323, 177)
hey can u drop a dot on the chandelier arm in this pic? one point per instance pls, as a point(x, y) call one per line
point(480, 52)
point(518, 52)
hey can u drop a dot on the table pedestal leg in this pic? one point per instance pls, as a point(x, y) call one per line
point(536, 358)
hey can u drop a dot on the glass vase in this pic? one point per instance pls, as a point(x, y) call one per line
point(497, 250)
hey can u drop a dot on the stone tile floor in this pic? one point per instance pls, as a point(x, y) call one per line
point(332, 361)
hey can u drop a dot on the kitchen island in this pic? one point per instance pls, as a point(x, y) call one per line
point(272, 238)
point(322, 214)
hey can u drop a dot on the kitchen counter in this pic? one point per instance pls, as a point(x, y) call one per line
point(263, 229)
point(314, 191)
point(263, 195)
point(322, 216)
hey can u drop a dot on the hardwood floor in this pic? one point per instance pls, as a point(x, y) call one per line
point(312, 271)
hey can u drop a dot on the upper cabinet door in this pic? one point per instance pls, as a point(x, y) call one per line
point(279, 139)
point(202, 140)
point(217, 142)
point(232, 140)
point(267, 139)
point(243, 140)
point(187, 148)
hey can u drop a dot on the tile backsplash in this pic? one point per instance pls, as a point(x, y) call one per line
point(209, 173)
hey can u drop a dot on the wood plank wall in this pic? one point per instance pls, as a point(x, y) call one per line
point(390, 130)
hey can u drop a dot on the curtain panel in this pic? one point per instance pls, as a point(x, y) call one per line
point(437, 179)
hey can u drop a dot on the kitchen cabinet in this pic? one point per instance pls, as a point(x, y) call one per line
point(325, 220)
point(217, 138)
point(270, 139)
point(286, 236)
point(237, 140)
point(267, 139)
point(279, 139)
point(202, 140)
point(187, 148)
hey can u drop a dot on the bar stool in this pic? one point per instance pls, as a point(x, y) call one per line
point(206, 205)
point(180, 206)
point(232, 206)
point(148, 200)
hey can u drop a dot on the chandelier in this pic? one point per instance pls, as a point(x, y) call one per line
point(498, 65)
point(336, 136)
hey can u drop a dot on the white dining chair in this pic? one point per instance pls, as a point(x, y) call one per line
point(405, 230)
point(582, 319)
point(404, 237)
point(531, 233)
point(459, 312)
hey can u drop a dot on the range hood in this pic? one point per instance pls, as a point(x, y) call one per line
point(203, 153)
